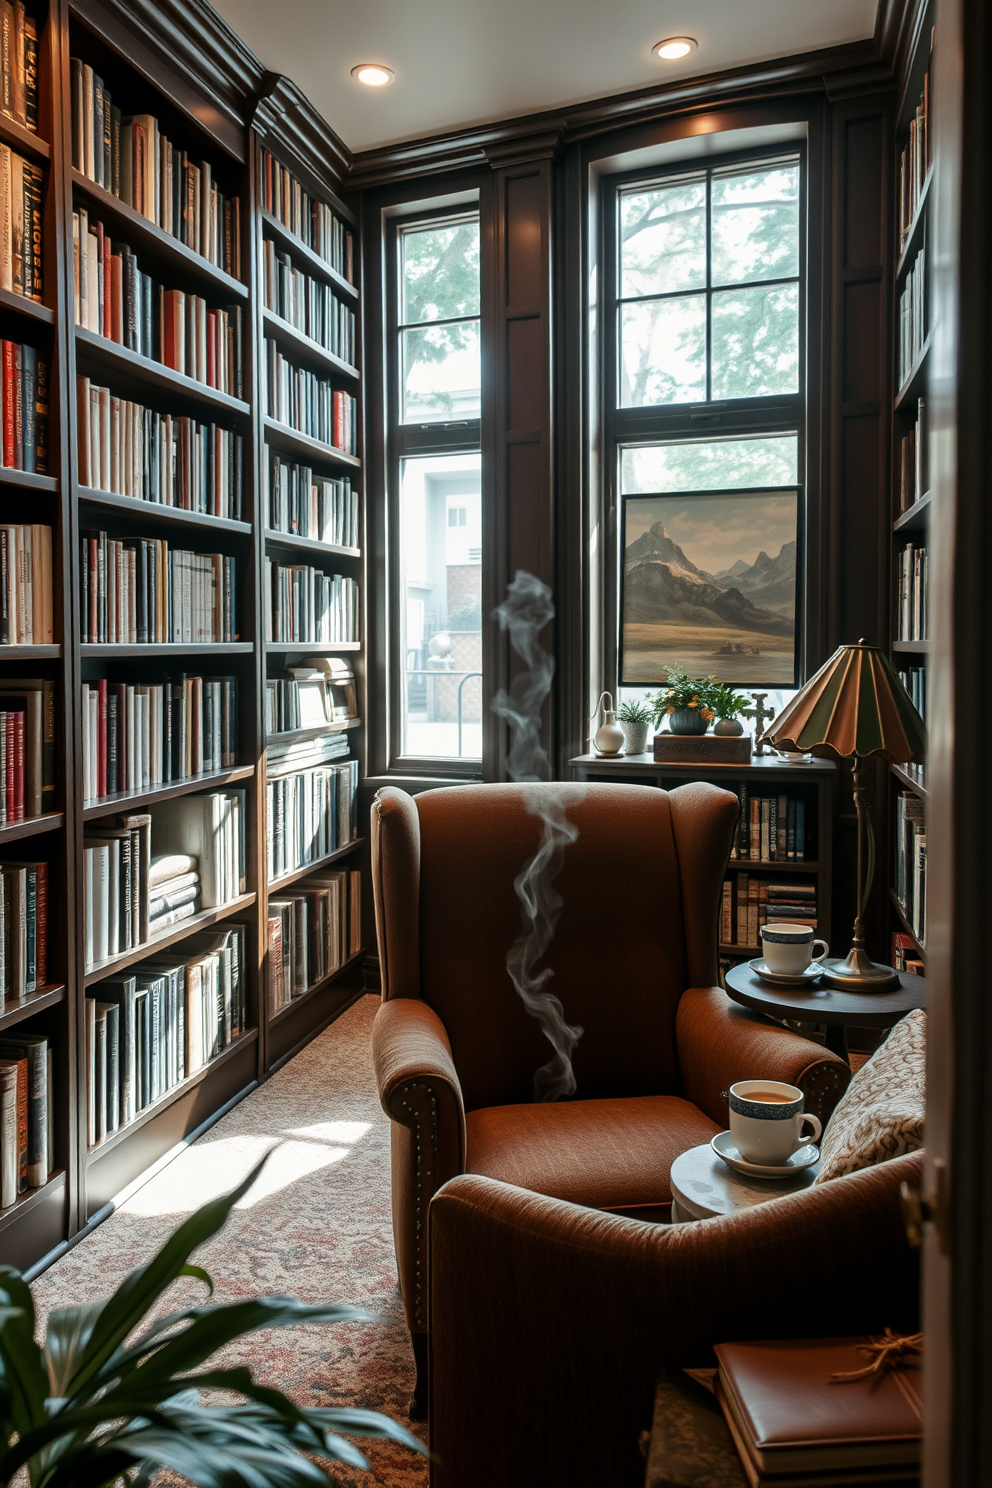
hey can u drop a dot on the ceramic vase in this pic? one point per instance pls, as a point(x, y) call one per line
point(729, 728)
point(635, 736)
point(687, 721)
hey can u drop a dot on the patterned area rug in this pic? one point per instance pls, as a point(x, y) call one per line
point(317, 1224)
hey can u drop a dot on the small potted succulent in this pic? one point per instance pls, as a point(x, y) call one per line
point(635, 719)
point(728, 706)
point(686, 702)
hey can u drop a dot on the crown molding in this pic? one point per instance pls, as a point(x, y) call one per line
point(843, 71)
point(285, 116)
point(897, 26)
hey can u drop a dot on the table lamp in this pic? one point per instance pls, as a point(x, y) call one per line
point(854, 707)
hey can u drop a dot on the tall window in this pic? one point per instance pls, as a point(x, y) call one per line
point(434, 410)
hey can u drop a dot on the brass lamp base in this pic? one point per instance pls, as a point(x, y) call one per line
point(858, 973)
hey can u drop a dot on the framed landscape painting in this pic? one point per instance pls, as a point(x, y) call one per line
point(710, 583)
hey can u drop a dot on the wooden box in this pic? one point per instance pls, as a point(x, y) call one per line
point(703, 749)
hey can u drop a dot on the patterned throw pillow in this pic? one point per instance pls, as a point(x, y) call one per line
point(880, 1115)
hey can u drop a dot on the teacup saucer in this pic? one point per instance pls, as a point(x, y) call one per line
point(804, 1157)
point(805, 978)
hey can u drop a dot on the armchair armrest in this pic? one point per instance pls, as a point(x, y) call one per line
point(549, 1323)
point(720, 1043)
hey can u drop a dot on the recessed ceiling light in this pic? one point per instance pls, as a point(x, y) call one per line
point(674, 47)
point(372, 75)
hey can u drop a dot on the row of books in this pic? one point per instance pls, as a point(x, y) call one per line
point(312, 932)
point(914, 471)
point(139, 590)
point(310, 697)
point(25, 584)
point(306, 402)
point(915, 160)
point(148, 1032)
point(307, 505)
point(911, 862)
point(914, 679)
point(914, 314)
point(770, 829)
point(165, 458)
point(748, 902)
point(21, 186)
point(132, 159)
point(912, 593)
point(310, 220)
point(311, 802)
point(113, 298)
point(24, 408)
point(27, 748)
point(23, 930)
point(307, 303)
point(305, 604)
point(19, 77)
point(130, 892)
point(138, 735)
point(905, 956)
point(26, 1125)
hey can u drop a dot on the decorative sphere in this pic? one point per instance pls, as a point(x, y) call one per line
point(440, 644)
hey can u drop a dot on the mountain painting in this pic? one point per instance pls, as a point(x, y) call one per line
point(709, 584)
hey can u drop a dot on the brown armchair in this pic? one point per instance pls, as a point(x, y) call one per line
point(635, 962)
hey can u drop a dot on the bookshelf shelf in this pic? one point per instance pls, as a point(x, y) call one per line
point(340, 726)
point(910, 648)
point(914, 236)
point(142, 232)
point(904, 924)
point(24, 140)
point(21, 305)
point(201, 921)
point(278, 884)
point(154, 511)
point(306, 257)
point(909, 780)
point(32, 826)
point(283, 437)
point(17, 1009)
point(311, 648)
point(916, 381)
point(915, 518)
point(30, 1199)
point(300, 344)
point(167, 651)
point(118, 361)
point(107, 805)
point(769, 865)
point(289, 540)
point(318, 987)
point(29, 653)
point(28, 479)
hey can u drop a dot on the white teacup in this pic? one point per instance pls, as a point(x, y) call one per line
point(789, 948)
point(767, 1121)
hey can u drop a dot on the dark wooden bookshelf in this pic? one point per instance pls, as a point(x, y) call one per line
point(200, 921)
point(167, 651)
point(31, 826)
point(302, 347)
point(121, 363)
point(28, 479)
point(16, 1009)
point(339, 726)
point(320, 986)
point(307, 259)
point(312, 648)
point(291, 541)
point(30, 653)
point(21, 305)
point(918, 648)
point(305, 447)
point(914, 237)
point(904, 924)
point(130, 800)
point(906, 778)
point(916, 379)
point(915, 517)
point(276, 885)
point(24, 140)
point(155, 511)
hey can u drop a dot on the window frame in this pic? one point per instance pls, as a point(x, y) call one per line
point(402, 441)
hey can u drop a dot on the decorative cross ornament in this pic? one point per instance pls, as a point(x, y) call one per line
point(759, 713)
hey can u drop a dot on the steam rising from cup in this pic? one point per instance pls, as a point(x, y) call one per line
point(523, 615)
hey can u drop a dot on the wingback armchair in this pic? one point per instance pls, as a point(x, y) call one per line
point(634, 958)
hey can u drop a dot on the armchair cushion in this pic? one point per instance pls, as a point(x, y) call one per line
point(881, 1115)
point(604, 1154)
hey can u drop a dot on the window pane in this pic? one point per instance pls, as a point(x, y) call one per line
point(441, 373)
point(663, 351)
point(710, 465)
point(663, 239)
point(440, 272)
point(441, 569)
point(756, 225)
point(755, 342)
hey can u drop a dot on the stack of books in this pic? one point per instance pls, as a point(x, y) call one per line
point(310, 802)
point(23, 930)
point(911, 862)
point(148, 1032)
point(27, 747)
point(913, 593)
point(139, 735)
point(20, 225)
point(310, 697)
point(25, 584)
point(306, 604)
point(139, 590)
point(116, 885)
point(307, 505)
point(165, 458)
point(24, 408)
point(19, 82)
point(113, 298)
point(748, 902)
point(302, 400)
point(26, 1127)
point(132, 159)
point(310, 220)
point(307, 303)
point(771, 829)
point(795, 902)
point(312, 932)
point(174, 889)
point(205, 829)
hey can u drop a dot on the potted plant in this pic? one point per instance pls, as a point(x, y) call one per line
point(685, 702)
point(728, 706)
point(635, 719)
point(97, 1405)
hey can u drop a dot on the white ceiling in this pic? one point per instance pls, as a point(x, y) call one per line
point(460, 62)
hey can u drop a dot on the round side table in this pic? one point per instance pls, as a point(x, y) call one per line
point(837, 1010)
point(703, 1186)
